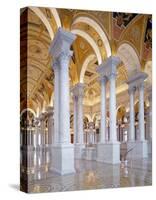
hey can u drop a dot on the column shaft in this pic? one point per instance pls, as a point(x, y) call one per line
point(112, 108)
point(64, 98)
point(103, 111)
point(37, 135)
point(50, 128)
point(75, 119)
point(150, 117)
point(77, 91)
point(56, 103)
point(80, 120)
point(141, 113)
point(42, 132)
point(132, 117)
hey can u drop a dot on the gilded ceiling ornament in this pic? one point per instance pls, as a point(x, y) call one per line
point(99, 42)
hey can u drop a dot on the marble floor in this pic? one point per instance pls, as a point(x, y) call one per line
point(89, 175)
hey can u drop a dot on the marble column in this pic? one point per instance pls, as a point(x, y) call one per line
point(75, 101)
point(139, 148)
point(150, 124)
point(37, 132)
point(112, 107)
point(109, 152)
point(50, 125)
point(42, 133)
point(142, 142)
point(56, 101)
point(131, 137)
point(103, 81)
point(62, 149)
point(50, 136)
point(150, 115)
point(141, 112)
point(78, 92)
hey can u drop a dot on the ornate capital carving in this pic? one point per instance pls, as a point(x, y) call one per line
point(103, 79)
point(55, 64)
point(108, 67)
point(137, 79)
point(131, 89)
point(61, 43)
point(112, 75)
point(140, 85)
point(62, 60)
point(50, 111)
point(78, 90)
point(37, 122)
point(42, 116)
point(64, 57)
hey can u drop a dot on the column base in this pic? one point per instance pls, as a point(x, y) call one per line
point(78, 151)
point(90, 153)
point(63, 159)
point(137, 149)
point(108, 152)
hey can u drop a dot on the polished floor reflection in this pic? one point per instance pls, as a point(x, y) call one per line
point(89, 174)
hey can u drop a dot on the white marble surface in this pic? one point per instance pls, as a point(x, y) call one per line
point(108, 153)
point(89, 174)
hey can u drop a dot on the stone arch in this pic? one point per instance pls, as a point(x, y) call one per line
point(129, 57)
point(96, 26)
point(45, 21)
point(90, 40)
point(84, 66)
point(27, 109)
point(56, 17)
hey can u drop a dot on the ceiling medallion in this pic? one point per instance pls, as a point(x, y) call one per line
point(99, 42)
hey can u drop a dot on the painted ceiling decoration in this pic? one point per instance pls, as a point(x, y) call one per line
point(120, 22)
point(147, 48)
point(148, 33)
point(99, 35)
point(123, 19)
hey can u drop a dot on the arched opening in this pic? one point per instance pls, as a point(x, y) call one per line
point(129, 57)
point(42, 17)
point(90, 40)
point(85, 65)
point(99, 30)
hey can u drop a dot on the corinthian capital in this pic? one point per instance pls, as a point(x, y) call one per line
point(61, 43)
point(78, 90)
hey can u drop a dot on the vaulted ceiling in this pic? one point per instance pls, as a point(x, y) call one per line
point(99, 35)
